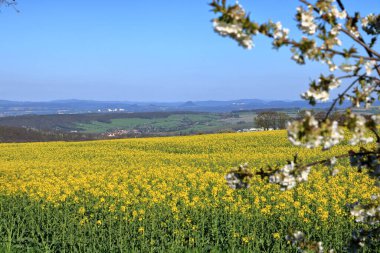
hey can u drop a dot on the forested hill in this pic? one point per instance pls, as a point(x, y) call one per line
point(21, 134)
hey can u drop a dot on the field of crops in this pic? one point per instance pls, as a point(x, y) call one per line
point(168, 194)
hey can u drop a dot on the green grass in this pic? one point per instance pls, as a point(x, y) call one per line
point(175, 124)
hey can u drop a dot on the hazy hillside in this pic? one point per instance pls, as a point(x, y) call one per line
point(11, 108)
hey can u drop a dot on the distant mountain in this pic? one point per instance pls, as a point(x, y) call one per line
point(73, 106)
point(189, 104)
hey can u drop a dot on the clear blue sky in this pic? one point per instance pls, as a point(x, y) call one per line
point(143, 51)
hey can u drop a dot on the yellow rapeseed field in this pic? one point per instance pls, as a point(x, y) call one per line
point(169, 193)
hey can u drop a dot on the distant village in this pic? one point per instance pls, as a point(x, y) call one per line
point(122, 132)
point(254, 130)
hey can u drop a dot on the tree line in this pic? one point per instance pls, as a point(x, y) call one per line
point(279, 120)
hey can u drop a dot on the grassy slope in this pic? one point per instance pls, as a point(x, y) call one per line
point(184, 123)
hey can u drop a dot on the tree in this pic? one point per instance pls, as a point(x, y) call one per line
point(271, 119)
point(323, 24)
point(266, 120)
point(282, 120)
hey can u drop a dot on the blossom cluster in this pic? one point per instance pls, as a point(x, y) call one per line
point(368, 214)
point(310, 133)
point(298, 238)
point(357, 124)
point(234, 31)
point(320, 90)
point(288, 176)
point(279, 32)
point(371, 24)
point(231, 25)
point(239, 178)
point(306, 20)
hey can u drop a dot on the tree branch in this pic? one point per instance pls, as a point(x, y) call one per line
point(376, 133)
point(361, 42)
point(369, 52)
point(294, 43)
point(268, 172)
point(342, 94)
point(358, 40)
point(341, 6)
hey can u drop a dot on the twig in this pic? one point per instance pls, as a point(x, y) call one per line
point(296, 44)
point(268, 172)
point(362, 43)
point(375, 132)
point(359, 40)
point(341, 95)
point(341, 6)
point(369, 52)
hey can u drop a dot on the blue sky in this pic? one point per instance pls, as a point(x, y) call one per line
point(142, 51)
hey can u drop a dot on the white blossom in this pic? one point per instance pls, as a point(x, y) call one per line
point(295, 127)
point(225, 29)
point(234, 30)
point(297, 58)
point(365, 20)
point(288, 176)
point(307, 23)
point(369, 65)
point(246, 41)
point(332, 162)
point(233, 181)
point(338, 42)
point(334, 83)
point(359, 130)
point(337, 13)
point(280, 32)
point(376, 119)
point(321, 92)
point(334, 172)
point(313, 135)
point(335, 137)
point(354, 32)
point(367, 214)
point(347, 68)
point(296, 237)
point(332, 67)
point(336, 29)
point(321, 95)
point(320, 247)
point(238, 178)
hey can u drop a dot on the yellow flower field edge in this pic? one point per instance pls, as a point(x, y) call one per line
point(169, 194)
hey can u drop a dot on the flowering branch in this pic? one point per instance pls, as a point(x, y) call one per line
point(326, 21)
point(239, 177)
point(341, 95)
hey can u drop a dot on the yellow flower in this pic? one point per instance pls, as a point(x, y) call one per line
point(81, 210)
point(245, 239)
point(83, 221)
